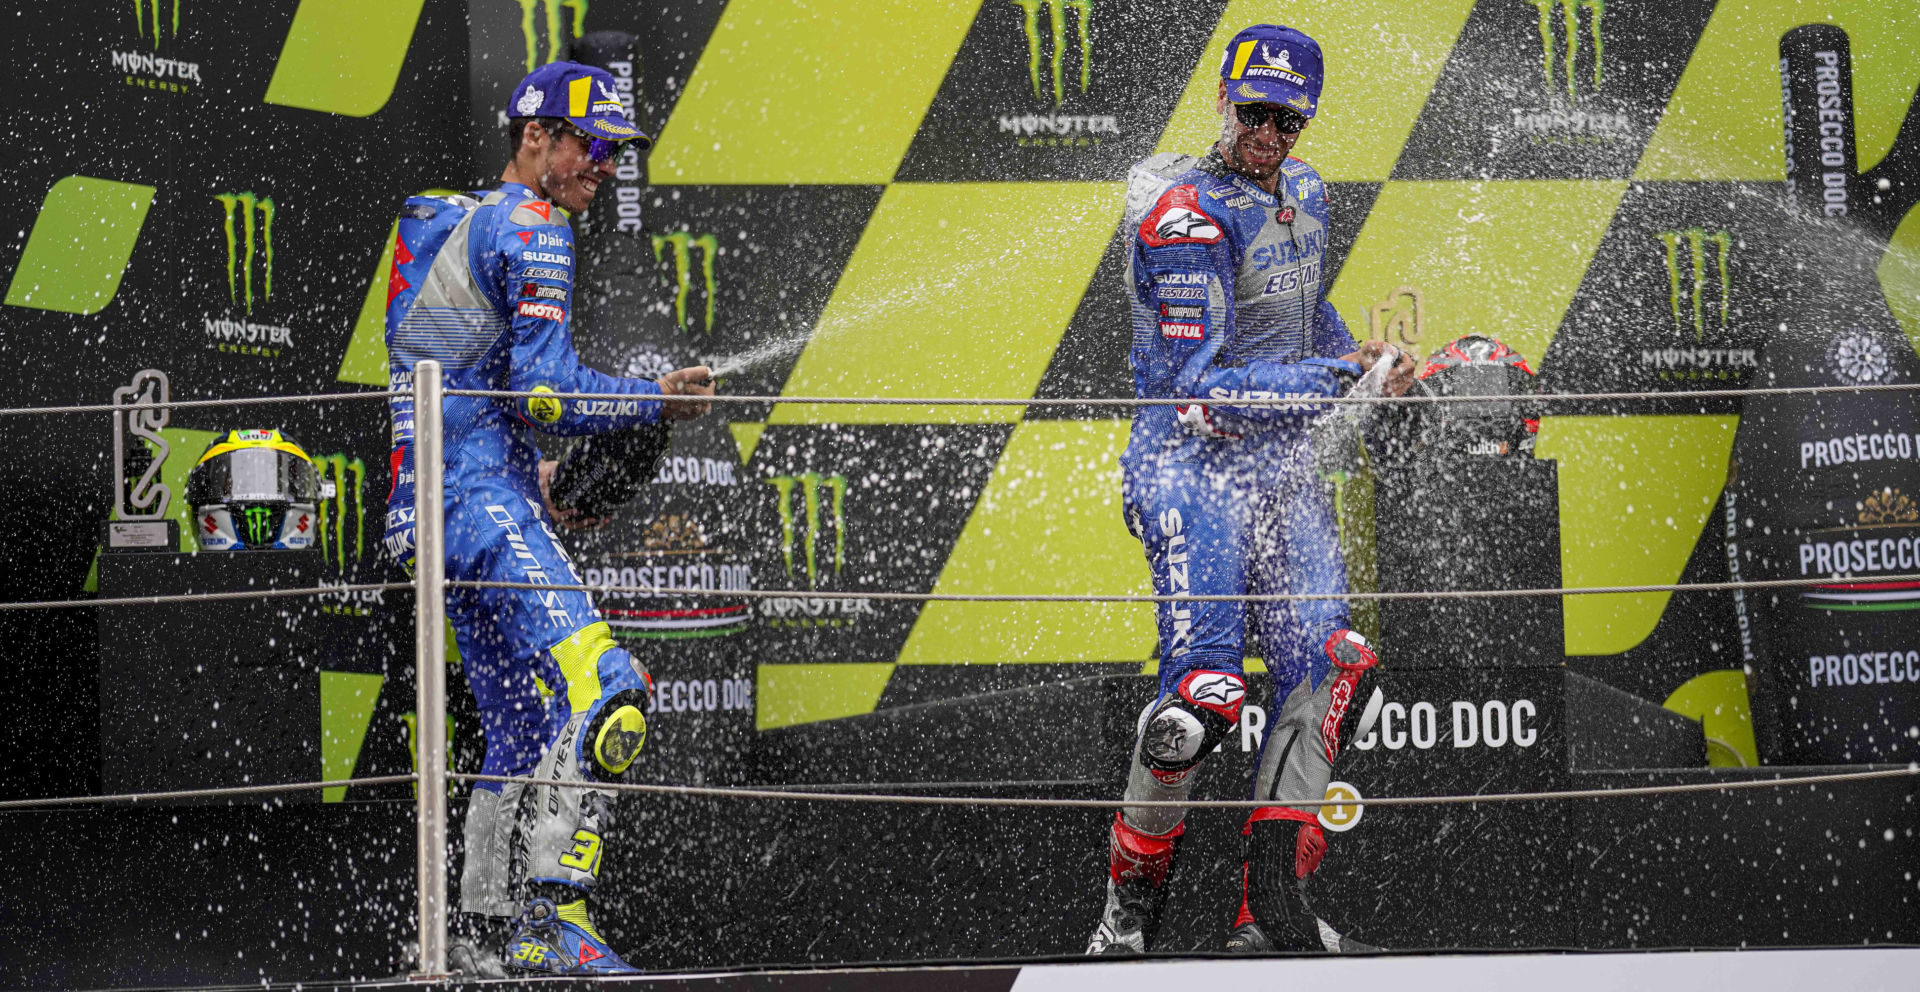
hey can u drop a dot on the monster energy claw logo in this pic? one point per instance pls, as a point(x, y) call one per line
point(259, 524)
point(810, 484)
point(1690, 280)
point(240, 265)
point(683, 244)
point(1057, 25)
point(139, 19)
point(1570, 27)
point(336, 469)
point(555, 40)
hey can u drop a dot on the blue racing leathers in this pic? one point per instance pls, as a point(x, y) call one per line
point(1225, 285)
point(1224, 281)
point(486, 289)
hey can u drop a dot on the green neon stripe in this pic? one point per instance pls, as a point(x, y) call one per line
point(677, 635)
point(79, 246)
point(346, 710)
point(1862, 607)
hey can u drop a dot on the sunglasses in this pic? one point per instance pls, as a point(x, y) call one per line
point(598, 149)
point(1286, 120)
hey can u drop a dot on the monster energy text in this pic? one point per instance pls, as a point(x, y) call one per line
point(683, 243)
point(811, 612)
point(247, 225)
point(151, 71)
point(1698, 260)
point(1561, 42)
point(1051, 48)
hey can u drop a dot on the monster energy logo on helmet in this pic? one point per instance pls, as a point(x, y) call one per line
point(810, 485)
point(683, 243)
point(555, 41)
point(249, 240)
point(259, 523)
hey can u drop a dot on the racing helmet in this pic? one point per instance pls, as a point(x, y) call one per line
point(254, 490)
point(1479, 365)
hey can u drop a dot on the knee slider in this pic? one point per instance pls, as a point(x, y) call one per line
point(616, 734)
point(1188, 723)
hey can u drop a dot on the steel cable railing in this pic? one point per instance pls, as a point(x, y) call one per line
point(431, 585)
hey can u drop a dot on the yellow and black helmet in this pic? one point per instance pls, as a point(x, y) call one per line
point(254, 489)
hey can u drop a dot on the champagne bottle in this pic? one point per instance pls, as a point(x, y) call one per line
point(1828, 485)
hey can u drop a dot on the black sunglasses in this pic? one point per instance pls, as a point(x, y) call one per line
point(598, 149)
point(1285, 119)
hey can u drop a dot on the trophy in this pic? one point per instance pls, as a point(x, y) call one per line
point(140, 411)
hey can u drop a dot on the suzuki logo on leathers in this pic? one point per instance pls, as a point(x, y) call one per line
point(1178, 584)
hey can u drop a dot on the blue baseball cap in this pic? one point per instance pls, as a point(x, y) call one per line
point(1269, 63)
point(582, 94)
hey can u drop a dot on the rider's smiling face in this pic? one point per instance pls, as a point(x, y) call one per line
point(1252, 138)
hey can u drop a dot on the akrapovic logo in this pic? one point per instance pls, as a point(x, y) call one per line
point(682, 244)
point(343, 485)
point(809, 486)
point(248, 225)
point(1400, 319)
point(542, 18)
point(1050, 46)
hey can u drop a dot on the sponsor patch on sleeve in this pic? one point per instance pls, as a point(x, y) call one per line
point(1183, 330)
point(1178, 219)
point(544, 311)
point(1183, 312)
point(536, 272)
point(538, 291)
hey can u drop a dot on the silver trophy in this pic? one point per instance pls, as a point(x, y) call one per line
point(140, 408)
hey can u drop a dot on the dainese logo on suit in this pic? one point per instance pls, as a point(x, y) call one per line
point(245, 228)
point(1050, 53)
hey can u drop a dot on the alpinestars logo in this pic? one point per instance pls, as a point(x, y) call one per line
point(1700, 299)
point(247, 225)
point(1179, 223)
point(682, 244)
point(556, 41)
point(150, 71)
point(1056, 129)
point(1561, 45)
point(1856, 358)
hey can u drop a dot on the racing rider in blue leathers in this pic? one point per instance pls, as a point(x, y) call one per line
point(486, 288)
point(1228, 304)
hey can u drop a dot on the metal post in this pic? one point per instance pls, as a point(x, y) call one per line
point(430, 664)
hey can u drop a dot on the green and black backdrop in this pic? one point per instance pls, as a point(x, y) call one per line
point(920, 198)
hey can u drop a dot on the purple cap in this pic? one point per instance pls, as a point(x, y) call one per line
point(582, 94)
point(1268, 63)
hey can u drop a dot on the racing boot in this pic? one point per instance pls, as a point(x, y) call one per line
point(1136, 889)
point(476, 946)
point(561, 940)
point(1275, 914)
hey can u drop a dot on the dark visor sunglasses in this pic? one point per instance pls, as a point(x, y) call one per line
point(1285, 119)
point(598, 149)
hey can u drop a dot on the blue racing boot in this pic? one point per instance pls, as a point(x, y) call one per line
point(561, 940)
